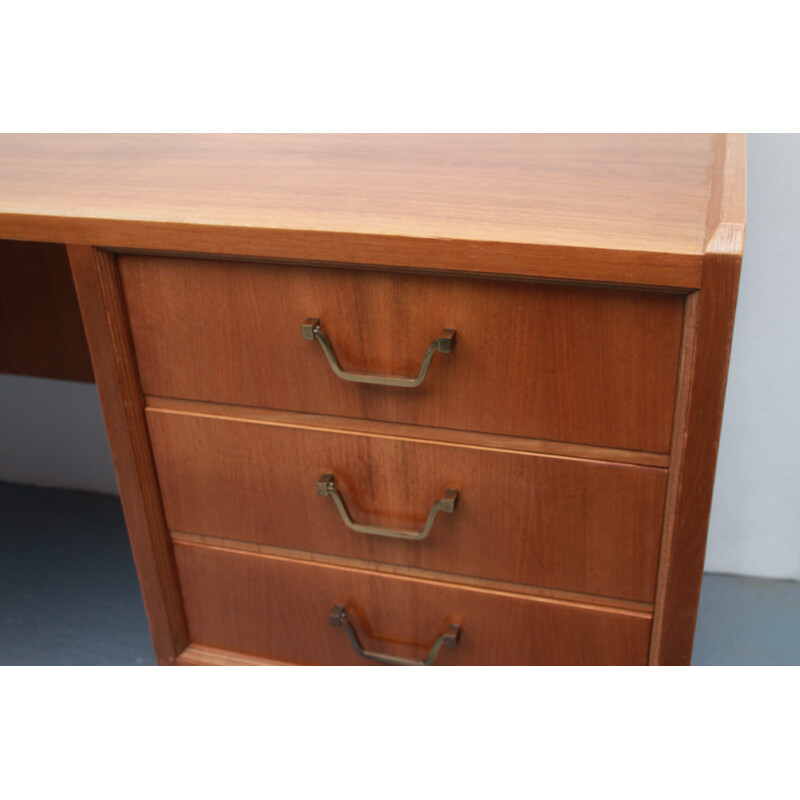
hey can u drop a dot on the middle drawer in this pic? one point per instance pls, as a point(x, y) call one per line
point(570, 524)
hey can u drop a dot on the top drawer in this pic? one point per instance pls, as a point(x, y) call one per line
point(571, 363)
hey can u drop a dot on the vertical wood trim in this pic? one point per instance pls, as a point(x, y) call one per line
point(692, 482)
point(102, 307)
point(679, 433)
point(698, 419)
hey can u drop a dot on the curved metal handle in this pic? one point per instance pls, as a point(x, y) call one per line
point(326, 487)
point(338, 618)
point(312, 329)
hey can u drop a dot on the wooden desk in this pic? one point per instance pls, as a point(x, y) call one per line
point(540, 496)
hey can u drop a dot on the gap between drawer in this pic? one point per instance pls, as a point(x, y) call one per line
point(401, 431)
point(543, 594)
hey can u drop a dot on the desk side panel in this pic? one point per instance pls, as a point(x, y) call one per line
point(41, 333)
point(97, 283)
point(701, 395)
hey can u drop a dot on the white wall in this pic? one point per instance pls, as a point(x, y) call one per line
point(51, 432)
point(755, 516)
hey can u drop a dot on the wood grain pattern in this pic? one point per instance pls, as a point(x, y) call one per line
point(194, 656)
point(278, 609)
point(97, 284)
point(41, 333)
point(727, 203)
point(652, 211)
point(410, 433)
point(682, 564)
point(629, 208)
point(699, 412)
point(587, 365)
point(411, 572)
point(563, 524)
point(675, 473)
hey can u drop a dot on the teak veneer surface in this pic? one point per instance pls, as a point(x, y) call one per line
point(490, 585)
point(543, 521)
point(569, 363)
point(278, 609)
point(538, 203)
point(410, 433)
point(100, 297)
point(41, 332)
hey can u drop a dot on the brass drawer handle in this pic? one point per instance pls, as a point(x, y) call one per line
point(312, 329)
point(326, 487)
point(338, 618)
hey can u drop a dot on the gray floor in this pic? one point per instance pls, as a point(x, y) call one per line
point(747, 621)
point(68, 588)
point(69, 595)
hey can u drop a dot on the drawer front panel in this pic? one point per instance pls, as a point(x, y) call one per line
point(561, 523)
point(579, 364)
point(279, 609)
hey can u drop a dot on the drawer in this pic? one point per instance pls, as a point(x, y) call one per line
point(279, 609)
point(562, 523)
point(567, 363)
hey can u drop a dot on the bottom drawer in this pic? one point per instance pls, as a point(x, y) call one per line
point(279, 609)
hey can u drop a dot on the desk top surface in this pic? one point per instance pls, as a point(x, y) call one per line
point(627, 193)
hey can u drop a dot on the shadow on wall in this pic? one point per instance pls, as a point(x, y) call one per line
point(52, 434)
